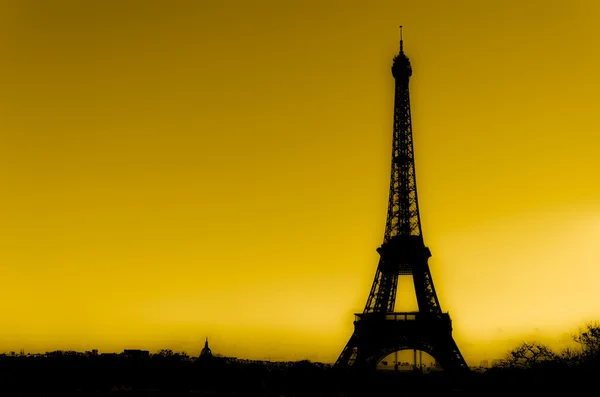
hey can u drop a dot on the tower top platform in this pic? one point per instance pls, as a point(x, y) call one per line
point(401, 68)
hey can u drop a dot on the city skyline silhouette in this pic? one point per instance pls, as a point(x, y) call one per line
point(176, 173)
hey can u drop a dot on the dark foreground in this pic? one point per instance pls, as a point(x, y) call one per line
point(78, 375)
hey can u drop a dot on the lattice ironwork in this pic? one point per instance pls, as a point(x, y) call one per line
point(403, 252)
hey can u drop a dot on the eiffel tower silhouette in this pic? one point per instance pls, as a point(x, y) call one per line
point(378, 330)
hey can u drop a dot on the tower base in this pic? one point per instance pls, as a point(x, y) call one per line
point(376, 335)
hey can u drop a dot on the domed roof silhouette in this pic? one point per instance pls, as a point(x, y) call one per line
point(206, 350)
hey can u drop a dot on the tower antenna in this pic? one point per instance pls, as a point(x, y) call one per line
point(401, 49)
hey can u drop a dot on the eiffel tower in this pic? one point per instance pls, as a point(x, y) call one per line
point(378, 330)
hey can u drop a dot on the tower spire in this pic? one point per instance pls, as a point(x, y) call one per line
point(401, 43)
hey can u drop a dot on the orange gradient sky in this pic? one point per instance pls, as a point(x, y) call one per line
point(175, 170)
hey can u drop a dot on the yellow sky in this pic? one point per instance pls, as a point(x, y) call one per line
point(171, 170)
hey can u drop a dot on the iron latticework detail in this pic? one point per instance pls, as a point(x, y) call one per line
point(380, 331)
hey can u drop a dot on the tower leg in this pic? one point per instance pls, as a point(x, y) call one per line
point(415, 359)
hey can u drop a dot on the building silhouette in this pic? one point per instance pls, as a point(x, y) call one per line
point(206, 352)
